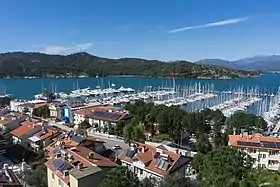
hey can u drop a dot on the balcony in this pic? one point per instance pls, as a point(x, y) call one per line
point(274, 167)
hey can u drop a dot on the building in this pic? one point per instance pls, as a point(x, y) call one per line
point(265, 151)
point(71, 139)
point(43, 138)
point(23, 106)
point(9, 179)
point(76, 167)
point(154, 162)
point(11, 121)
point(56, 111)
point(26, 129)
point(101, 116)
point(68, 108)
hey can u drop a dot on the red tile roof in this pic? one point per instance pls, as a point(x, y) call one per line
point(257, 138)
point(25, 127)
point(49, 132)
point(80, 155)
point(147, 157)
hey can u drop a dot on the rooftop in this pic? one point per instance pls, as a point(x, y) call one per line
point(156, 159)
point(26, 127)
point(8, 178)
point(79, 161)
point(47, 133)
point(255, 141)
point(104, 113)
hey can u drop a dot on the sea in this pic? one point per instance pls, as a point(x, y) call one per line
point(26, 88)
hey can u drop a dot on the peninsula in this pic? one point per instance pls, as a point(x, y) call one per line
point(33, 64)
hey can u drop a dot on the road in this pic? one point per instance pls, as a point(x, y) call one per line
point(110, 141)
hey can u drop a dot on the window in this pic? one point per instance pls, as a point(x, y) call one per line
point(273, 153)
point(264, 155)
point(60, 183)
point(263, 165)
point(52, 175)
point(141, 171)
point(254, 160)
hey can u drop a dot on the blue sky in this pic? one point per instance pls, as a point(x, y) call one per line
point(153, 29)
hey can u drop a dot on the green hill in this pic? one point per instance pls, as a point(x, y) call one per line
point(20, 64)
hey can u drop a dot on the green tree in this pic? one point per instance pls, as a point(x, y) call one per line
point(42, 111)
point(203, 144)
point(37, 177)
point(177, 181)
point(120, 177)
point(84, 125)
point(224, 164)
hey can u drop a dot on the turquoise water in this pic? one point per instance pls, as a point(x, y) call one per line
point(27, 88)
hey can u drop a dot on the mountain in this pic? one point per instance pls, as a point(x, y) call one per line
point(260, 63)
point(21, 64)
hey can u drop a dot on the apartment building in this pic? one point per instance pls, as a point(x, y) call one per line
point(76, 167)
point(27, 129)
point(265, 151)
point(147, 161)
point(11, 121)
point(101, 116)
point(43, 138)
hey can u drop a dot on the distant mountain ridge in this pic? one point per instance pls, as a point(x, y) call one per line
point(22, 64)
point(256, 63)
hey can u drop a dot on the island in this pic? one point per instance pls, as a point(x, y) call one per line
point(33, 64)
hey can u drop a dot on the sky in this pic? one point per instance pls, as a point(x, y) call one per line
point(154, 29)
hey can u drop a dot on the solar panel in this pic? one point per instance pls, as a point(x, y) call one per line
point(60, 136)
point(253, 144)
point(242, 143)
point(77, 139)
point(56, 151)
point(57, 162)
point(157, 162)
point(66, 166)
point(277, 144)
point(165, 166)
point(61, 162)
point(161, 164)
point(269, 144)
point(60, 168)
point(156, 155)
point(129, 153)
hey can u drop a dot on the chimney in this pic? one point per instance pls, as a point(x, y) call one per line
point(90, 155)
point(177, 151)
point(80, 166)
point(143, 149)
point(65, 173)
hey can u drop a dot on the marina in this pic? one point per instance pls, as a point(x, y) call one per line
point(255, 95)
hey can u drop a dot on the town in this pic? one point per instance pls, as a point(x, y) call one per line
point(78, 143)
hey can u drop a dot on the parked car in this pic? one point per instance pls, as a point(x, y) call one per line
point(116, 147)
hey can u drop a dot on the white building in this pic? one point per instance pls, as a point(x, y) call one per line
point(101, 116)
point(265, 151)
point(154, 162)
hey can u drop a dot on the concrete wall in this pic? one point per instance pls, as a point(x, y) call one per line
point(54, 180)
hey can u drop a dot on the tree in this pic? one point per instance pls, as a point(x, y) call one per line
point(177, 181)
point(197, 161)
point(120, 177)
point(37, 177)
point(248, 122)
point(224, 164)
point(42, 111)
point(84, 125)
point(202, 143)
